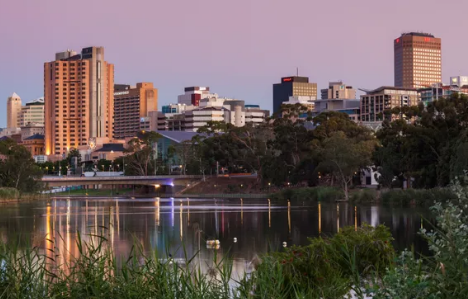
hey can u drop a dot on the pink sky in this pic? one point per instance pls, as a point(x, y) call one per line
point(238, 48)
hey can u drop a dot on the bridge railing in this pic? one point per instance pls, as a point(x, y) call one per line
point(121, 178)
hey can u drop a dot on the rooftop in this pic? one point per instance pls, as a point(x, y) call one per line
point(35, 136)
point(423, 34)
point(111, 147)
point(381, 88)
point(179, 136)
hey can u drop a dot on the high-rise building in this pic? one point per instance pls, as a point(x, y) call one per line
point(292, 86)
point(338, 90)
point(79, 99)
point(193, 95)
point(130, 105)
point(32, 113)
point(375, 102)
point(418, 60)
point(13, 111)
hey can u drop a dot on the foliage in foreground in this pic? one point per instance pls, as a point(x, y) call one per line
point(445, 273)
point(326, 267)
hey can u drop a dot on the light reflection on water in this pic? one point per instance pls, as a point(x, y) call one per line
point(167, 224)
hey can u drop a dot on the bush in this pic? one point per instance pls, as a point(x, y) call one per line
point(315, 194)
point(419, 197)
point(326, 268)
point(364, 196)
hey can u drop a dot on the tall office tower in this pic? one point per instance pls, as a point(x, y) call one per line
point(79, 99)
point(13, 111)
point(292, 86)
point(418, 60)
point(338, 90)
point(131, 104)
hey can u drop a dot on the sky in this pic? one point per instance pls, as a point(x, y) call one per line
point(238, 48)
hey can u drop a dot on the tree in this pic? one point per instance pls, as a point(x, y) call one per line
point(17, 168)
point(141, 154)
point(427, 149)
point(344, 157)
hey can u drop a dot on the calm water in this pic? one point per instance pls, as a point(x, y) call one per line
point(244, 228)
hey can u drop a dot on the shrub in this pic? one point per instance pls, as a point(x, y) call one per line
point(444, 273)
point(326, 268)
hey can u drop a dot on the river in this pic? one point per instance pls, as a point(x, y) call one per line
point(244, 228)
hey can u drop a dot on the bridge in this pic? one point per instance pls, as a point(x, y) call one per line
point(163, 180)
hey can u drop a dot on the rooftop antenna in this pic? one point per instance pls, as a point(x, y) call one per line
point(297, 71)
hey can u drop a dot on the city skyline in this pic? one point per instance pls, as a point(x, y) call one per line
point(238, 49)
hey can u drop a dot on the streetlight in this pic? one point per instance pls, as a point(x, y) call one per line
point(118, 167)
point(47, 169)
point(157, 187)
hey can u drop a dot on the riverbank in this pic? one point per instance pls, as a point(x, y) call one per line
point(408, 197)
point(8, 195)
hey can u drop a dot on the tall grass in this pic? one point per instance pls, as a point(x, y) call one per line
point(326, 268)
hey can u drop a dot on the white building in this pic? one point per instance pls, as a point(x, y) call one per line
point(199, 117)
point(459, 81)
point(32, 113)
point(193, 95)
point(255, 115)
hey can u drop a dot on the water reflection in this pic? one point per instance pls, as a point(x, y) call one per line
point(244, 228)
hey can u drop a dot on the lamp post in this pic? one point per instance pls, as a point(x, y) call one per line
point(47, 170)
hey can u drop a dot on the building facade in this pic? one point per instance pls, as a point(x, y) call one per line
point(292, 86)
point(79, 99)
point(436, 91)
point(31, 129)
point(193, 95)
point(348, 106)
point(338, 90)
point(375, 102)
point(32, 113)
point(131, 105)
point(13, 111)
point(417, 60)
point(34, 144)
point(255, 115)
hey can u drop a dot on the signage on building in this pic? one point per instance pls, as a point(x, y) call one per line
point(289, 79)
point(121, 93)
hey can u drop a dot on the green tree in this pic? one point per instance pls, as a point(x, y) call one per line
point(344, 157)
point(17, 168)
point(141, 154)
